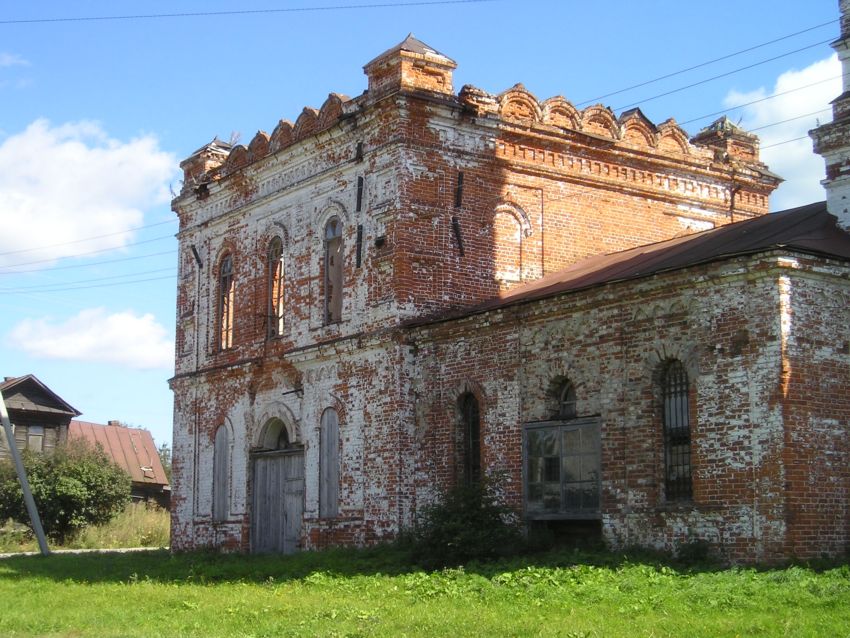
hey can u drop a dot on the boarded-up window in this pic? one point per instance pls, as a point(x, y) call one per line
point(275, 288)
point(226, 298)
point(221, 475)
point(471, 438)
point(329, 465)
point(333, 271)
point(677, 431)
point(35, 438)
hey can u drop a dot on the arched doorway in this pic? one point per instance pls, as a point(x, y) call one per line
point(278, 485)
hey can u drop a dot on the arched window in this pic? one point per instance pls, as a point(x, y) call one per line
point(226, 296)
point(221, 475)
point(275, 292)
point(567, 401)
point(471, 442)
point(677, 431)
point(329, 464)
point(333, 270)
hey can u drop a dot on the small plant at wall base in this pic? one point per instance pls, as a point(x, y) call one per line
point(74, 487)
point(467, 524)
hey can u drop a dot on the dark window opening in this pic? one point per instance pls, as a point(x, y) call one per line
point(358, 152)
point(359, 194)
point(457, 234)
point(678, 483)
point(567, 401)
point(359, 254)
point(471, 425)
point(459, 190)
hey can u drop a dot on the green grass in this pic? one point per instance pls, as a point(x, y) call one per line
point(374, 593)
point(139, 525)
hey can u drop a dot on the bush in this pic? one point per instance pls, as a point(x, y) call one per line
point(467, 524)
point(73, 487)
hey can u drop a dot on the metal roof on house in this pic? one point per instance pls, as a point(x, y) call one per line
point(132, 449)
point(808, 229)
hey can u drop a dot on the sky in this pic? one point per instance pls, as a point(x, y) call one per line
point(97, 109)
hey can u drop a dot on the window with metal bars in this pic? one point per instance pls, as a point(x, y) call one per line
point(226, 298)
point(275, 289)
point(675, 393)
point(471, 431)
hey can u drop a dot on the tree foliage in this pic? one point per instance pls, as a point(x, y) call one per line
point(73, 487)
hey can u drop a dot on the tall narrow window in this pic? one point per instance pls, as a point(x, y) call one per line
point(221, 475)
point(471, 425)
point(226, 297)
point(275, 288)
point(333, 271)
point(329, 464)
point(677, 432)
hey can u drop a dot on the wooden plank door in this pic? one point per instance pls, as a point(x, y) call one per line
point(278, 502)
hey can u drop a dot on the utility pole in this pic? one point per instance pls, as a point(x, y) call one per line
point(22, 477)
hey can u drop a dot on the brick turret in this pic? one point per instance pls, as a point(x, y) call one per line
point(411, 64)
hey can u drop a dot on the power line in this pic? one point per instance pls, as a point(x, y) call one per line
point(39, 287)
point(707, 63)
point(763, 99)
point(721, 75)
point(91, 252)
point(93, 237)
point(69, 288)
point(89, 265)
point(796, 139)
point(790, 119)
point(198, 14)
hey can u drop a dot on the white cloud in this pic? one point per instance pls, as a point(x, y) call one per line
point(12, 59)
point(794, 161)
point(60, 184)
point(123, 338)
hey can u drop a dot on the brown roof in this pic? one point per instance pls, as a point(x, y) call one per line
point(132, 449)
point(808, 229)
point(28, 393)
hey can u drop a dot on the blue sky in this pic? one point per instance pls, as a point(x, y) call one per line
point(95, 116)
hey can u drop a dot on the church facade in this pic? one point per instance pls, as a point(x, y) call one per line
point(416, 287)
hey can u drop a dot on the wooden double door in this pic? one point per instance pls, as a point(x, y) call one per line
point(278, 503)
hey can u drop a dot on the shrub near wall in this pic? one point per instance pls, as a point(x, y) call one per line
point(74, 487)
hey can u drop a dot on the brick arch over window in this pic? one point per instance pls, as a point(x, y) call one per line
point(510, 228)
point(276, 412)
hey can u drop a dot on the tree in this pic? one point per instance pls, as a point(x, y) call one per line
point(165, 459)
point(73, 487)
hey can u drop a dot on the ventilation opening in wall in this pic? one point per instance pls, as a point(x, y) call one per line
point(578, 533)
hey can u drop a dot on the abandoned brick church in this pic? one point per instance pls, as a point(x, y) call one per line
point(415, 288)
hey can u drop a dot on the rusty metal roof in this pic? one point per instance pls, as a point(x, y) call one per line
point(808, 229)
point(131, 448)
